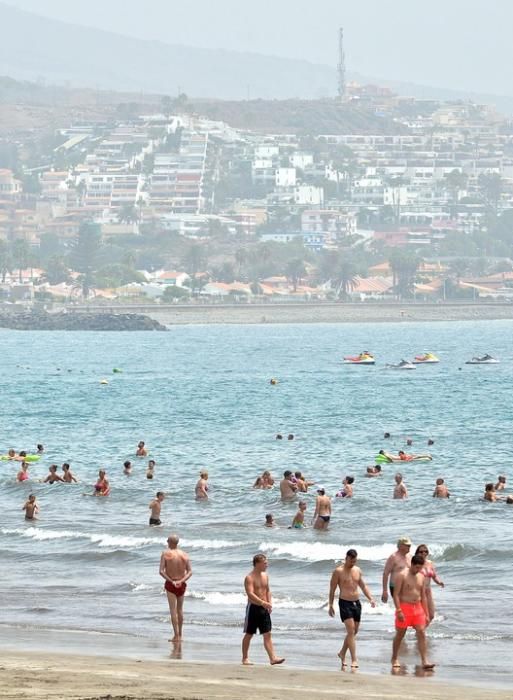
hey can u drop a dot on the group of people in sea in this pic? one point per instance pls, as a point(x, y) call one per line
point(406, 580)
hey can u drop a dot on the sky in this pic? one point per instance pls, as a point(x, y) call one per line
point(460, 44)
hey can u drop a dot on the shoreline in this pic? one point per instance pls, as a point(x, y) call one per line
point(31, 675)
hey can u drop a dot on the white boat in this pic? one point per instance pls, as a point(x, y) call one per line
point(485, 360)
point(404, 364)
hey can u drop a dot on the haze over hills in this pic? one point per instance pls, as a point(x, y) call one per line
point(33, 47)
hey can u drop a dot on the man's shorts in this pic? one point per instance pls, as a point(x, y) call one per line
point(414, 616)
point(155, 521)
point(178, 591)
point(257, 619)
point(350, 609)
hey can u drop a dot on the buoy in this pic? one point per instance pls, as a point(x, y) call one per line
point(117, 371)
point(104, 381)
point(274, 381)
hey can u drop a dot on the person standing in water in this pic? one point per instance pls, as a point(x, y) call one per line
point(31, 508)
point(175, 569)
point(141, 449)
point(400, 490)
point(23, 474)
point(348, 578)
point(201, 489)
point(258, 610)
point(68, 476)
point(155, 508)
point(322, 513)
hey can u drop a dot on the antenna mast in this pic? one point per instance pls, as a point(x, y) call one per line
point(341, 65)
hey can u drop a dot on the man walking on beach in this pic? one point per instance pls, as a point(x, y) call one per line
point(258, 610)
point(175, 568)
point(411, 610)
point(348, 578)
point(395, 564)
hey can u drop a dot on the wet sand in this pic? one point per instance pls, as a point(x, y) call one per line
point(36, 676)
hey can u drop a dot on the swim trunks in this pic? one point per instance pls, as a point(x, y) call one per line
point(257, 619)
point(155, 521)
point(414, 616)
point(350, 609)
point(178, 591)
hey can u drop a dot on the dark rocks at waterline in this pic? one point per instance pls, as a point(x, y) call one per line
point(42, 321)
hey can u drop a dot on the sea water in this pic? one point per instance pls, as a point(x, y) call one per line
point(85, 576)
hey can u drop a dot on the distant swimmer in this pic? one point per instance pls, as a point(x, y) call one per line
point(298, 521)
point(301, 482)
point(441, 490)
point(175, 569)
point(348, 579)
point(400, 490)
point(150, 471)
point(11, 454)
point(52, 476)
point(265, 481)
point(269, 520)
point(288, 488)
point(127, 468)
point(395, 564)
point(374, 471)
point(403, 457)
point(386, 436)
point(141, 450)
point(322, 515)
point(430, 442)
point(273, 381)
point(279, 436)
point(102, 486)
point(347, 488)
point(68, 477)
point(23, 474)
point(409, 442)
point(411, 610)
point(501, 483)
point(155, 507)
point(429, 573)
point(258, 610)
point(31, 508)
point(40, 449)
point(490, 494)
point(201, 489)
point(290, 436)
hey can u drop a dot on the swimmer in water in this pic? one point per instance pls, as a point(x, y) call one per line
point(155, 507)
point(68, 477)
point(102, 486)
point(374, 471)
point(52, 475)
point(322, 513)
point(151, 469)
point(40, 449)
point(489, 494)
point(501, 483)
point(403, 457)
point(400, 490)
point(201, 489)
point(441, 490)
point(269, 520)
point(299, 519)
point(141, 449)
point(11, 454)
point(23, 474)
point(127, 468)
point(347, 488)
point(31, 508)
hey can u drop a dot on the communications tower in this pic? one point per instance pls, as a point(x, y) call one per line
point(341, 65)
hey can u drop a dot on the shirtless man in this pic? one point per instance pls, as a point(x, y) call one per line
point(348, 578)
point(258, 610)
point(52, 476)
point(68, 476)
point(374, 471)
point(127, 468)
point(155, 507)
point(141, 449)
point(400, 490)
point(201, 489)
point(287, 488)
point(175, 568)
point(395, 564)
point(501, 483)
point(411, 610)
point(322, 513)
point(441, 490)
point(151, 469)
point(31, 508)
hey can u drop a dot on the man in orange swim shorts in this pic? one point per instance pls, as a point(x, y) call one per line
point(411, 610)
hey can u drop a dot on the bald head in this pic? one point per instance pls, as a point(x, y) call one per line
point(173, 540)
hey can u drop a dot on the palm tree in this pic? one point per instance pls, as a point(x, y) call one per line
point(85, 253)
point(20, 256)
point(127, 214)
point(241, 258)
point(346, 277)
point(5, 260)
point(295, 271)
point(404, 265)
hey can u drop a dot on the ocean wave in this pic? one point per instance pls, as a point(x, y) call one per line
point(239, 599)
point(321, 551)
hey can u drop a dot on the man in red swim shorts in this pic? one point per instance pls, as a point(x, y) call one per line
point(175, 569)
point(411, 610)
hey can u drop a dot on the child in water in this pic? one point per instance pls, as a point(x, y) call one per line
point(299, 519)
point(31, 508)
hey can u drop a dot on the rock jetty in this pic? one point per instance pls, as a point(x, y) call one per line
point(70, 321)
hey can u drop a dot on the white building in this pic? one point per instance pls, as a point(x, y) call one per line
point(285, 177)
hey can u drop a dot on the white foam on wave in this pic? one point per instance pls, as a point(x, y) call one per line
point(239, 599)
point(321, 551)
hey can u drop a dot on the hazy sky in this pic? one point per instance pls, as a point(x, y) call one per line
point(462, 44)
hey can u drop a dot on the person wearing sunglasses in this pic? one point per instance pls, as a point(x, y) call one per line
point(429, 572)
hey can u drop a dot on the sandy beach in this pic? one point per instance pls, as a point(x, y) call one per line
point(35, 675)
point(325, 313)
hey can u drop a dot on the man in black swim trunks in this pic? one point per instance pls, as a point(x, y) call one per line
point(258, 611)
point(348, 578)
point(155, 507)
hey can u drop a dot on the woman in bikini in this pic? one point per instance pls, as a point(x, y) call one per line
point(430, 574)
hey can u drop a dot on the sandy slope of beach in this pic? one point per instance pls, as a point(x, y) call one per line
point(36, 676)
point(327, 313)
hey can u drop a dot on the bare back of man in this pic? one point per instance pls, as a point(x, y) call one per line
point(175, 569)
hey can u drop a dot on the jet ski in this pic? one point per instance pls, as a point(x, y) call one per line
point(485, 360)
point(404, 364)
point(364, 358)
point(428, 358)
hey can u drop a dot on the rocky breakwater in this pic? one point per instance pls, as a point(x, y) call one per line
point(69, 321)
